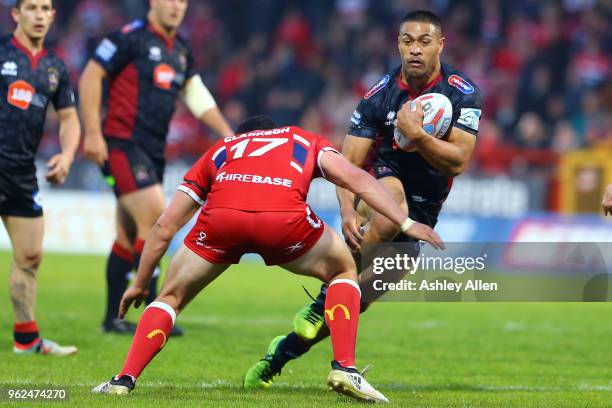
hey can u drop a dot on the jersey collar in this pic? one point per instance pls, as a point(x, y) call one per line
point(34, 59)
point(168, 40)
point(405, 87)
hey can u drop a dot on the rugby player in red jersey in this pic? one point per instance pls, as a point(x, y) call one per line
point(255, 186)
point(148, 66)
point(30, 78)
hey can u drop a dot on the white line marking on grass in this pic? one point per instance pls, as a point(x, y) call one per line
point(221, 384)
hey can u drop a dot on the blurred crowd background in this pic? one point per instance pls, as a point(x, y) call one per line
point(543, 67)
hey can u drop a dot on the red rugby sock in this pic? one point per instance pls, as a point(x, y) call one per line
point(342, 318)
point(151, 336)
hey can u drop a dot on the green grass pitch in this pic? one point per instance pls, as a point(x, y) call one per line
point(424, 354)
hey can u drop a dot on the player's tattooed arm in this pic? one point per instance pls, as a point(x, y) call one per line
point(355, 150)
point(69, 137)
point(449, 156)
point(90, 90)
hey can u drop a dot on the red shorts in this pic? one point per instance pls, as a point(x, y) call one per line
point(223, 235)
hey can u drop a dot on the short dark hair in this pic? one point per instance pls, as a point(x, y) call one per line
point(424, 16)
point(18, 3)
point(257, 122)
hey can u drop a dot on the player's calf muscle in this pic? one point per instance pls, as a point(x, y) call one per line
point(22, 298)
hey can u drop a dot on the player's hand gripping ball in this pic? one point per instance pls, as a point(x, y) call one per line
point(437, 117)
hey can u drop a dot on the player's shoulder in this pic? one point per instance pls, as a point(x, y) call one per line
point(6, 44)
point(130, 30)
point(308, 139)
point(133, 27)
point(5, 40)
point(56, 60)
point(459, 84)
point(385, 84)
point(183, 42)
point(301, 135)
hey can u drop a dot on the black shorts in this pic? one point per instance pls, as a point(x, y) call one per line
point(421, 207)
point(19, 196)
point(130, 168)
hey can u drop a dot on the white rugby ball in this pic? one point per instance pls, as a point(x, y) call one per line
point(437, 117)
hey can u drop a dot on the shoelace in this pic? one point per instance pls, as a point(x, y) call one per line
point(366, 369)
point(267, 373)
point(313, 317)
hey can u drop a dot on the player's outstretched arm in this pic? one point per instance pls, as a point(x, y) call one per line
point(343, 174)
point(69, 136)
point(90, 90)
point(175, 216)
point(606, 202)
point(355, 150)
point(451, 156)
point(202, 105)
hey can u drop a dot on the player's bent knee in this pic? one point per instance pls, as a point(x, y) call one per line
point(28, 260)
point(171, 300)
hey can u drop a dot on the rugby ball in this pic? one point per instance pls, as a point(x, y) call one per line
point(437, 117)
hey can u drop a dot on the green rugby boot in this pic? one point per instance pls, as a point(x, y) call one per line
point(261, 375)
point(308, 321)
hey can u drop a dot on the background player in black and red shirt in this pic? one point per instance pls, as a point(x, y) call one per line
point(30, 78)
point(419, 181)
point(148, 65)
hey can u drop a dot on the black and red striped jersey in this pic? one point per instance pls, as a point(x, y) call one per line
point(27, 84)
point(375, 117)
point(146, 71)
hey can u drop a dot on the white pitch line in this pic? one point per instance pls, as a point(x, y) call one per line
point(221, 383)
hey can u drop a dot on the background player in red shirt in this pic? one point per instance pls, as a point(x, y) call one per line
point(31, 78)
point(148, 65)
point(256, 184)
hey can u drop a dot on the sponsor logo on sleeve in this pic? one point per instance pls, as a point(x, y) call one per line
point(134, 25)
point(469, 118)
point(20, 94)
point(379, 85)
point(9, 68)
point(163, 76)
point(461, 84)
point(106, 50)
point(356, 118)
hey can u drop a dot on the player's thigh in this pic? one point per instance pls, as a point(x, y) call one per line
point(26, 235)
point(144, 206)
point(327, 258)
point(188, 274)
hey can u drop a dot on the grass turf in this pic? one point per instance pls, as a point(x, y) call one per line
point(425, 354)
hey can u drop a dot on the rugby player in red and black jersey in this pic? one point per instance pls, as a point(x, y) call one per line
point(419, 180)
point(147, 65)
point(31, 77)
point(255, 186)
